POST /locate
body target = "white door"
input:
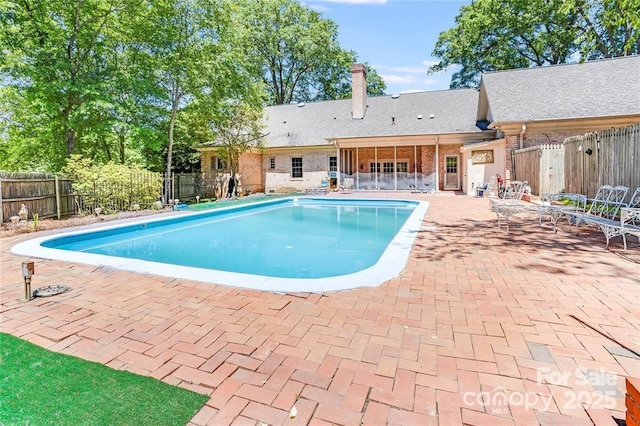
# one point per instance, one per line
(451, 172)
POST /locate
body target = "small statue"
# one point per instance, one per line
(23, 213)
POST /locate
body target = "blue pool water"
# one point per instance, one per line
(302, 239)
(290, 239)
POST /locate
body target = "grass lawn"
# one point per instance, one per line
(40, 387)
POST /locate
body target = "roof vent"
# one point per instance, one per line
(301, 104)
(395, 96)
(419, 116)
(432, 116)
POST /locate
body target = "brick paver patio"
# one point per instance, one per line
(482, 327)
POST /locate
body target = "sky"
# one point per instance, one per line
(396, 37)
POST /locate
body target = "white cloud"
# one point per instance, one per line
(355, 1)
(317, 7)
(403, 70)
(412, 91)
(429, 63)
(398, 79)
(431, 81)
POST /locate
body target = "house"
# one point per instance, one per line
(544, 105)
(439, 140)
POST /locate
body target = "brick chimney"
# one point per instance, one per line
(358, 91)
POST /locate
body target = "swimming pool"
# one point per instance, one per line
(289, 245)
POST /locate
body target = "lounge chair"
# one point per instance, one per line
(319, 190)
(346, 184)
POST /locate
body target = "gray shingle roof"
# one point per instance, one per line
(609, 87)
(454, 111)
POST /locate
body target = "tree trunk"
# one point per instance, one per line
(71, 139)
(69, 133)
(121, 144)
(172, 122)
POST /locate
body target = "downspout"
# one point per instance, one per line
(524, 129)
(513, 155)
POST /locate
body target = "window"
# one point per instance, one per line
(296, 167)
(374, 167)
(333, 164)
(387, 167)
(218, 163)
(272, 163)
(402, 167)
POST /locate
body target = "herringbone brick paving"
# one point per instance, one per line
(482, 327)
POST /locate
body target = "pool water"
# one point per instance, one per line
(288, 239)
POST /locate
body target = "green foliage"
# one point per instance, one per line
(35, 221)
(111, 186)
(144, 81)
(607, 28)
(295, 51)
(492, 35)
(41, 387)
(504, 34)
(238, 131)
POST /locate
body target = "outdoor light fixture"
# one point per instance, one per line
(27, 272)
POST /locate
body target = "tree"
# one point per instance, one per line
(295, 51)
(54, 63)
(492, 35)
(197, 61)
(335, 82)
(503, 34)
(238, 130)
(607, 28)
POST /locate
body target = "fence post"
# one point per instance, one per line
(58, 203)
(1, 208)
(173, 185)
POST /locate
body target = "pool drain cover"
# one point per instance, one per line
(50, 290)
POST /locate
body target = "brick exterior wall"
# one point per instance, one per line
(358, 91)
(535, 139)
(251, 170)
(366, 156)
(632, 401)
(512, 144)
(315, 168)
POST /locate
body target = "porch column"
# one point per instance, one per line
(395, 167)
(339, 167)
(437, 164)
(415, 167)
(357, 169)
(375, 156)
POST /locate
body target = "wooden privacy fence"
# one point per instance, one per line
(542, 166)
(43, 194)
(607, 157)
(55, 196)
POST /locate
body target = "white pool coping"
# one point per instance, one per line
(390, 265)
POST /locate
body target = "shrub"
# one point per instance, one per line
(112, 187)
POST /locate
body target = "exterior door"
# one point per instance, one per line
(451, 172)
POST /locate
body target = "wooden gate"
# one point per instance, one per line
(542, 166)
